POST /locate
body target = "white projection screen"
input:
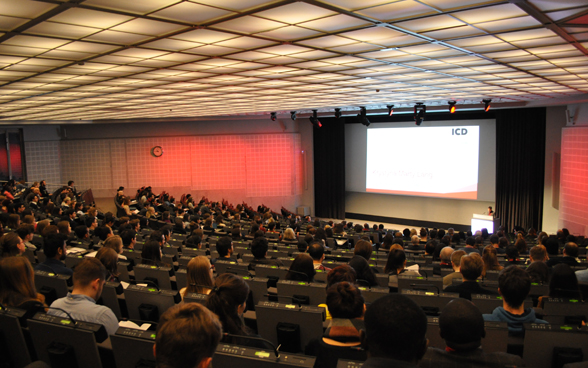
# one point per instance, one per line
(445, 159)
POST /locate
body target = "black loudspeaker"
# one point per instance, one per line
(562, 356)
(149, 312)
(62, 355)
(289, 337)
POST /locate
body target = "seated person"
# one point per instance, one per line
(55, 251)
(259, 247)
(26, 232)
(415, 244)
(512, 255)
(301, 269)
(129, 238)
(365, 274)
(199, 277)
(82, 234)
(395, 329)
(471, 246)
(224, 247)
(563, 284)
(471, 267)
(190, 329)
(317, 252)
(396, 265)
(461, 325)
(514, 285)
(11, 245)
(88, 281)
(17, 286)
(538, 269)
(570, 253)
(341, 340)
(228, 300)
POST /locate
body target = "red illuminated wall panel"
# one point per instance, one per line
(574, 180)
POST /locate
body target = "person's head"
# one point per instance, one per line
(456, 259)
(199, 275)
(445, 254)
(191, 329)
(194, 241)
(316, 251)
(396, 261)
(54, 246)
(344, 300)
(129, 238)
(224, 246)
(17, 281)
(490, 258)
(552, 246)
(512, 252)
(227, 299)
(471, 241)
(89, 277)
(41, 225)
(91, 222)
(64, 227)
(301, 269)
(571, 250)
(395, 327)
(563, 282)
(259, 247)
(363, 248)
(514, 285)
(538, 254)
(341, 273)
(521, 245)
(114, 242)
(414, 240)
(103, 232)
(471, 266)
(461, 325)
(13, 221)
(82, 232)
(494, 240)
(109, 258)
(25, 232)
(289, 234)
(151, 252)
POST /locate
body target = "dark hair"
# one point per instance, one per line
(259, 247)
(190, 329)
(552, 246)
(563, 282)
(24, 230)
(471, 266)
(341, 273)
(88, 270)
(514, 284)
(512, 252)
(521, 246)
(302, 245)
(151, 252)
(344, 300)
(395, 328)
(461, 325)
(52, 243)
(494, 239)
(316, 250)
(109, 259)
(396, 259)
(363, 248)
(229, 292)
(302, 264)
(81, 231)
(571, 249)
(223, 245)
(127, 237)
(471, 241)
(193, 241)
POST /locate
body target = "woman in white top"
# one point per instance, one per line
(199, 276)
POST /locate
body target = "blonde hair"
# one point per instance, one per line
(115, 242)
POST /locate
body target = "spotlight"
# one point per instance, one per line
(390, 109)
(451, 106)
(337, 113)
(363, 116)
(419, 113)
(273, 116)
(314, 120)
(486, 102)
(293, 115)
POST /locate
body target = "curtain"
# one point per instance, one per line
(329, 168)
(520, 167)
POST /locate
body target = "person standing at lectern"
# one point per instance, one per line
(490, 212)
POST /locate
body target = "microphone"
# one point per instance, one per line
(369, 284)
(416, 286)
(136, 282)
(292, 299)
(426, 275)
(61, 310)
(276, 350)
(300, 273)
(238, 270)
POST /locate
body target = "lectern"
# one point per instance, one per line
(480, 222)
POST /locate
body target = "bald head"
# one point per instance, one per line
(446, 254)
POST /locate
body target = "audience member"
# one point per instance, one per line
(11, 245)
(471, 267)
(17, 286)
(199, 277)
(455, 264)
(109, 258)
(538, 269)
(88, 281)
(224, 247)
(490, 259)
(301, 269)
(259, 247)
(55, 251)
(570, 252)
(317, 252)
(187, 336)
(461, 325)
(514, 285)
(395, 328)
